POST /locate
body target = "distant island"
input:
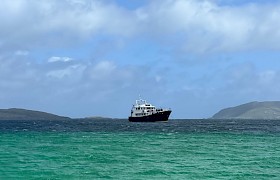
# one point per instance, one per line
(252, 110)
(23, 114)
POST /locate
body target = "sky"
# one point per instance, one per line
(83, 58)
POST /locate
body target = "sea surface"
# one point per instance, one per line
(118, 149)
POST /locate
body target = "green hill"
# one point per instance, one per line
(23, 114)
(252, 110)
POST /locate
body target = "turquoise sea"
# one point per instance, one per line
(117, 149)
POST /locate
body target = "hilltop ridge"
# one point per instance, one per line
(252, 110)
(23, 114)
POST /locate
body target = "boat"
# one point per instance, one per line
(145, 112)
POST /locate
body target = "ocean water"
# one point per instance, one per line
(118, 149)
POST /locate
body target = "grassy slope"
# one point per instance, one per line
(23, 114)
(253, 110)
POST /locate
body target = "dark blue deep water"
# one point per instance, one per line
(122, 125)
(118, 149)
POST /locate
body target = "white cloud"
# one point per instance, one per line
(59, 59)
(200, 26)
(103, 69)
(60, 23)
(205, 26)
(70, 72)
(22, 53)
(245, 81)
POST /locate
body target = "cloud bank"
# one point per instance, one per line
(201, 25)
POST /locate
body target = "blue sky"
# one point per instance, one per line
(82, 58)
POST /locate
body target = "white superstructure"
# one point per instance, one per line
(142, 108)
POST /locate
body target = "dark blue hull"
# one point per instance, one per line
(159, 116)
